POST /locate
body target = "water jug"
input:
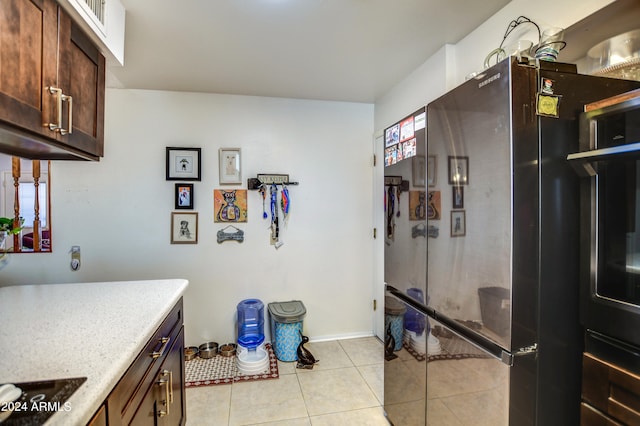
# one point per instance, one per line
(414, 320)
(250, 323)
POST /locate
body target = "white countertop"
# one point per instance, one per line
(92, 330)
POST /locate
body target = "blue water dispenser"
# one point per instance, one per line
(250, 323)
(414, 320)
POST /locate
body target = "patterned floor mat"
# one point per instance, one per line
(452, 348)
(223, 370)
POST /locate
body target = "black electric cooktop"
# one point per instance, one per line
(40, 400)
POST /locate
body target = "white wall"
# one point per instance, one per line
(449, 66)
(425, 83)
(119, 209)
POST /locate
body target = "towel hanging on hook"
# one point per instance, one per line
(285, 201)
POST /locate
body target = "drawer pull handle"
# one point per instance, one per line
(157, 354)
(161, 382)
(170, 373)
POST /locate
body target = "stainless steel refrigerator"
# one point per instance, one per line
(493, 336)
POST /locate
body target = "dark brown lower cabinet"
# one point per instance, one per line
(100, 418)
(163, 404)
(151, 392)
(610, 394)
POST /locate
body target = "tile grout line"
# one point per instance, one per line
(304, 399)
(380, 403)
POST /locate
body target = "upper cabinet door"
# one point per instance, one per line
(52, 83)
(28, 50)
(81, 73)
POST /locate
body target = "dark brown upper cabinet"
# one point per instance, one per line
(52, 83)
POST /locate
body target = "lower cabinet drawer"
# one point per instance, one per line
(135, 383)
(164, 402)
(589, 416)
(613, 392)
(99, 418)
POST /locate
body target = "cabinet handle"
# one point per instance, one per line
(160, 352)
(167, 400)
(69, 129)
(57, 92)
(60, 97)
(170, 374)
(165, 383)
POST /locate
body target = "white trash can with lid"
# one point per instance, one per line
(286, 328)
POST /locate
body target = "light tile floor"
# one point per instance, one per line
(344, 388)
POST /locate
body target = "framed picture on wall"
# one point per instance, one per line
(230, 170)
(419, 171)
(184, 196)
(458, 223)
(184, 228)
(433, 205)
(432, 170)
(183, 163)
(417, 205)
(457, 195)
(458, 170)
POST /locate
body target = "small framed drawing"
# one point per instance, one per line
(230, 166)
(184, 228)
(457, 195)
(183, 163)
(458, 170)
(432, 170)
(458, 223)
(419, 171)
(184, 196)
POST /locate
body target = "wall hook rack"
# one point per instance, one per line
(397, 181)
(268, 179)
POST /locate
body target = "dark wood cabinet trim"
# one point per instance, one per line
(131, 398)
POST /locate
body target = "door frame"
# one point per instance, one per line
(378, 285)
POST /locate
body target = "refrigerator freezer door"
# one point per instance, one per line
(465, 385)
(439, 377)
(405, 372)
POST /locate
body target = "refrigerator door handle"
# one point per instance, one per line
(467, 334)
(507, 357)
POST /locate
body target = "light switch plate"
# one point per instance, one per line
(75, 258)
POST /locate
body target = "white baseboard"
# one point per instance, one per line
(341, 336)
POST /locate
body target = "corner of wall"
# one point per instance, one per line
(427, 82)
(451, 66)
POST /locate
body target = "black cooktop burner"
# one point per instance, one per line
(40, 400)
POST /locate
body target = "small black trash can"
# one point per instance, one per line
(495, 308)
